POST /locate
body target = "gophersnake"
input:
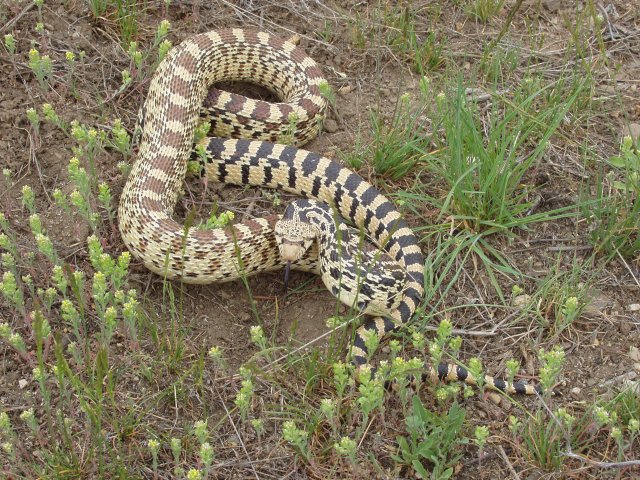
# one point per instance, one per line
(168, 121)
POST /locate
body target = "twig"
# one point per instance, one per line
(462, 331)
(503, 454)
(34, 159)
(11, 22)
(628, 267)
(244, 448)
(595, 463)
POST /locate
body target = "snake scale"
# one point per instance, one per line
(169, 118)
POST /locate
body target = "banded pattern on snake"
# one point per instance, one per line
(169, 119)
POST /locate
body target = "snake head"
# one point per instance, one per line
(294, 232)
(294, 239)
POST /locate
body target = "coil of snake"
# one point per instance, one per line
(241, 152)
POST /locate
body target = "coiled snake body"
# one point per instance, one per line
(169, 119)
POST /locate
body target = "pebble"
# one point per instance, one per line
(634, 354)
(552, 5)
(597, 303)
(22, 383)
(633, 130)
(576, 390)
(624, 327)
(330, 125)
(634, 307)
(521, 300)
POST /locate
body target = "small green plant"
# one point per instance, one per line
(70, 58)
(347, 448)
(135, 55)
(615, 217)
(371, 392)
(424, 54)
(245, 395)
(201, 430)
(327, 92)
(296, 437)
(629, 162)
(97, 7)
(562, 296)
(34, 120)
(552, 362)
(120, 139)
(41, 66)
(52, 117)
(399, 143)
(220, 220)
(484, 10)
(10, 44)
(154, 447)
(432, 438)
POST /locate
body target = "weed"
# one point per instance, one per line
(98, 7)
(397, 27)
(397, 145)
(424, 54)
(484, 10)
(615, 217)
(485, 177)
(561, 297)
(42, 68)
(10, 44)
(297, 437)
(432, 438)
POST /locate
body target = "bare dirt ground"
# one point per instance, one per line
(599, 345)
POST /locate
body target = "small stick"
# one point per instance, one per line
(503, 454)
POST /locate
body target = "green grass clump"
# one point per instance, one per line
(397, 143)
(615, 216)
(485, 163)
(484, 10)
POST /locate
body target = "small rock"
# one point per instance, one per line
(330, 125)
(576, 390)
(22, 383)
(552, 5)
(495, 398)
(634, 354)
(634, 307)
(624, 327)
(597, 303)
(636, 366)
(521, 300)
(633, 130)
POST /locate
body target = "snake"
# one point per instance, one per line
(243, 149)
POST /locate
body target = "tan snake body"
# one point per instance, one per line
(170, 114)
